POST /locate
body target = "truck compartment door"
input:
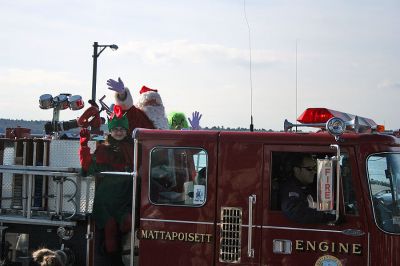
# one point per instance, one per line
(239, 202)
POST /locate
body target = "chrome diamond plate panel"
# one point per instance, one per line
(9, 153)
(64, 153)
(6, 190)
(8, 178)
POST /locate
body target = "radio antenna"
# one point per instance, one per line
(296, 86)
(250, 72)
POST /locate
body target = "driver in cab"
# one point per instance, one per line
(298, 193)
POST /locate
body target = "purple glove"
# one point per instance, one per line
(195, 121)
(117, 86)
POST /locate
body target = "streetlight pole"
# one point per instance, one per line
(96, 54)
(94, 78)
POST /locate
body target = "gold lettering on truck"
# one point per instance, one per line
(343, 248)
(310, 245)
(176, 236)
(299, 245)
(356, 248)
(325, 246)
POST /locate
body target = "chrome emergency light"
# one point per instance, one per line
(76, 102)
(46, 101)
(58, 103)
(335, 126)
(61, 102)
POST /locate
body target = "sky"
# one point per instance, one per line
(204, 56)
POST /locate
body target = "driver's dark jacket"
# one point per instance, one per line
(294, 203)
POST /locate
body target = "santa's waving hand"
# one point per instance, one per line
(117, 86)
(123, 96)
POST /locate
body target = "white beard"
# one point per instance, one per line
(157, 115)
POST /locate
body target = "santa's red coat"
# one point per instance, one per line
(138, 119)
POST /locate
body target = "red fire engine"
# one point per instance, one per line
(213, 197)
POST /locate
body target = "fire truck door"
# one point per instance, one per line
(239, 202)
(297, 240)
(177, 205)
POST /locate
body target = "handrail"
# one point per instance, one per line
(250, 249)
(134, 175)
(335, 146)
(34, 172)
(40, 168)
(27, 173)
(36, 221)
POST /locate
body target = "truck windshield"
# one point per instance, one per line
(384, 180)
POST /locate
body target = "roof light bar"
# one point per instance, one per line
(321, 118)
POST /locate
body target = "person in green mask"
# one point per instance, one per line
(178, 121)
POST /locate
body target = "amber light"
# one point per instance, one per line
(380, 128)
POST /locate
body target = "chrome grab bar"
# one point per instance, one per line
(250, 249)
(335, 146)
(30, 182)
(25, 190)
(60, 197)
(134, 176)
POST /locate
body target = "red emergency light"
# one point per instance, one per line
(322, 115)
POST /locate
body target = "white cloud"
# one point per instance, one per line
(174, 52)
(27, 77)
(387, 84)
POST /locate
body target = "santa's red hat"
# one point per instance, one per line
(146, 89)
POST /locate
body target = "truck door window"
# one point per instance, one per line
(282, 169)
(384, 180)
(178, 176)
(283, 164)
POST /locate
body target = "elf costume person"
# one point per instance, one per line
(148, 112)
(112, 202)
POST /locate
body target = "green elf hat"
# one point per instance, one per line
(118, 119)
(177, 120)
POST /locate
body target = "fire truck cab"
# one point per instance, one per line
(214, 197)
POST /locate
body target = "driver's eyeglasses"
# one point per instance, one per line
(309, 168)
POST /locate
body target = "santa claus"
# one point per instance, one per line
(150, 102)
(149, 111)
